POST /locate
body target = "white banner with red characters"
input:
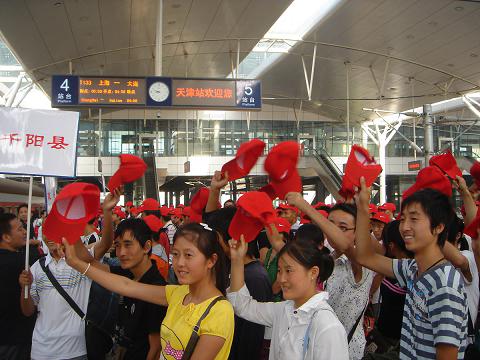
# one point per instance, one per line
(38, 142)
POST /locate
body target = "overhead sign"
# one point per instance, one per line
(156, 92)
(414, 165)
(38, 142)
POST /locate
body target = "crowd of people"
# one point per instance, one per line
(245, 280)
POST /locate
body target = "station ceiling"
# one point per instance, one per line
(432, 44)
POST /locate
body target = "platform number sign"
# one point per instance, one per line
(249, 94)
(64, 90)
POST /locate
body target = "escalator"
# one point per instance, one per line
(151, 184)
(150, 177)
(326, 169)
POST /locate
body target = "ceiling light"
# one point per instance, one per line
(171, 22)
(473, 55)
(392, 88)
(290, 28)
(458, 8)
(57, 3)
(450, 65)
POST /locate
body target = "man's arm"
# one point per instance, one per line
(106, 242)
(467, 198)
(447, 352)
(336, 238)
(27, 305)
(365, 253)
(454, 255)
(155, 346)
(219, 180)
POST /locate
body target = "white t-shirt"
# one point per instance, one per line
(86, 238)
(326, 336)
(471, 288)
(59, 332)
(349, 299)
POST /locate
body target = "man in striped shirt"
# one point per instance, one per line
(435, 314)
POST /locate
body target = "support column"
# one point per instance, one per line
(383, 162)
(428, 126)
(159, 40)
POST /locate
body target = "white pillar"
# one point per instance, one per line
(383, 176)
(159, 40)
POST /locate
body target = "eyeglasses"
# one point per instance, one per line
(345, 229)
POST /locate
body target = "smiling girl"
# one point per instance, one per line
(199, 263)
(304, 326)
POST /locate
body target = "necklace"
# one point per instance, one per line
(435, 263)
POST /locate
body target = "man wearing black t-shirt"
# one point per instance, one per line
(137, 331)
(15, 329)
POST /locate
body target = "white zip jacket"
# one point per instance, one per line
(326, 339)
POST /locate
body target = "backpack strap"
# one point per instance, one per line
(355, 326)
(61, 290)
(192, 342)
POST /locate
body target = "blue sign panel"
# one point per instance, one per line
(156, 92)
(64, 90)
(249, 94)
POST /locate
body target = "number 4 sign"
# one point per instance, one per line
(64, 90)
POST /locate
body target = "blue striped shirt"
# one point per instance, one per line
(435, 309)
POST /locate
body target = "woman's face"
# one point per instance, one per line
(189, 263)
(296, 281)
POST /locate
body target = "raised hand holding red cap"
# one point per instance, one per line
(219, 180)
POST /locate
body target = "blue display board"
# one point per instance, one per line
(156, 92)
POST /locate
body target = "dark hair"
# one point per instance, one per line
(208, 243)
(310, 232)
(456, 226)
(21, 206)
(436, 206)
(92, 221)
(348, 208)
(219, 220)
(309, 256)
(140, 230)
(391, 234)
(5, 226)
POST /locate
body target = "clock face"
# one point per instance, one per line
(158, 91)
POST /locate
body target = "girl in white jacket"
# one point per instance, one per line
(304, 326)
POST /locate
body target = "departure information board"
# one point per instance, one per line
(111, 91)
(155, 92)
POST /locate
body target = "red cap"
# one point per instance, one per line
(359, 164)
(153, 222)
(246, 157)
(164, 211)
(282, 225)
(150, 204)
(475, 172)
(323, 213)
(284, 206)
(72, 209)
(129, 203)
(199, 200)
(254, 212)
(430, 177)
(382, 217)
(119, 213)
(175, 212)
(388, 207)
(269, 190)
(131, 168)
(281, 166)
(447, 163)
(134, 211)
(319, 205)
(372, 208)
